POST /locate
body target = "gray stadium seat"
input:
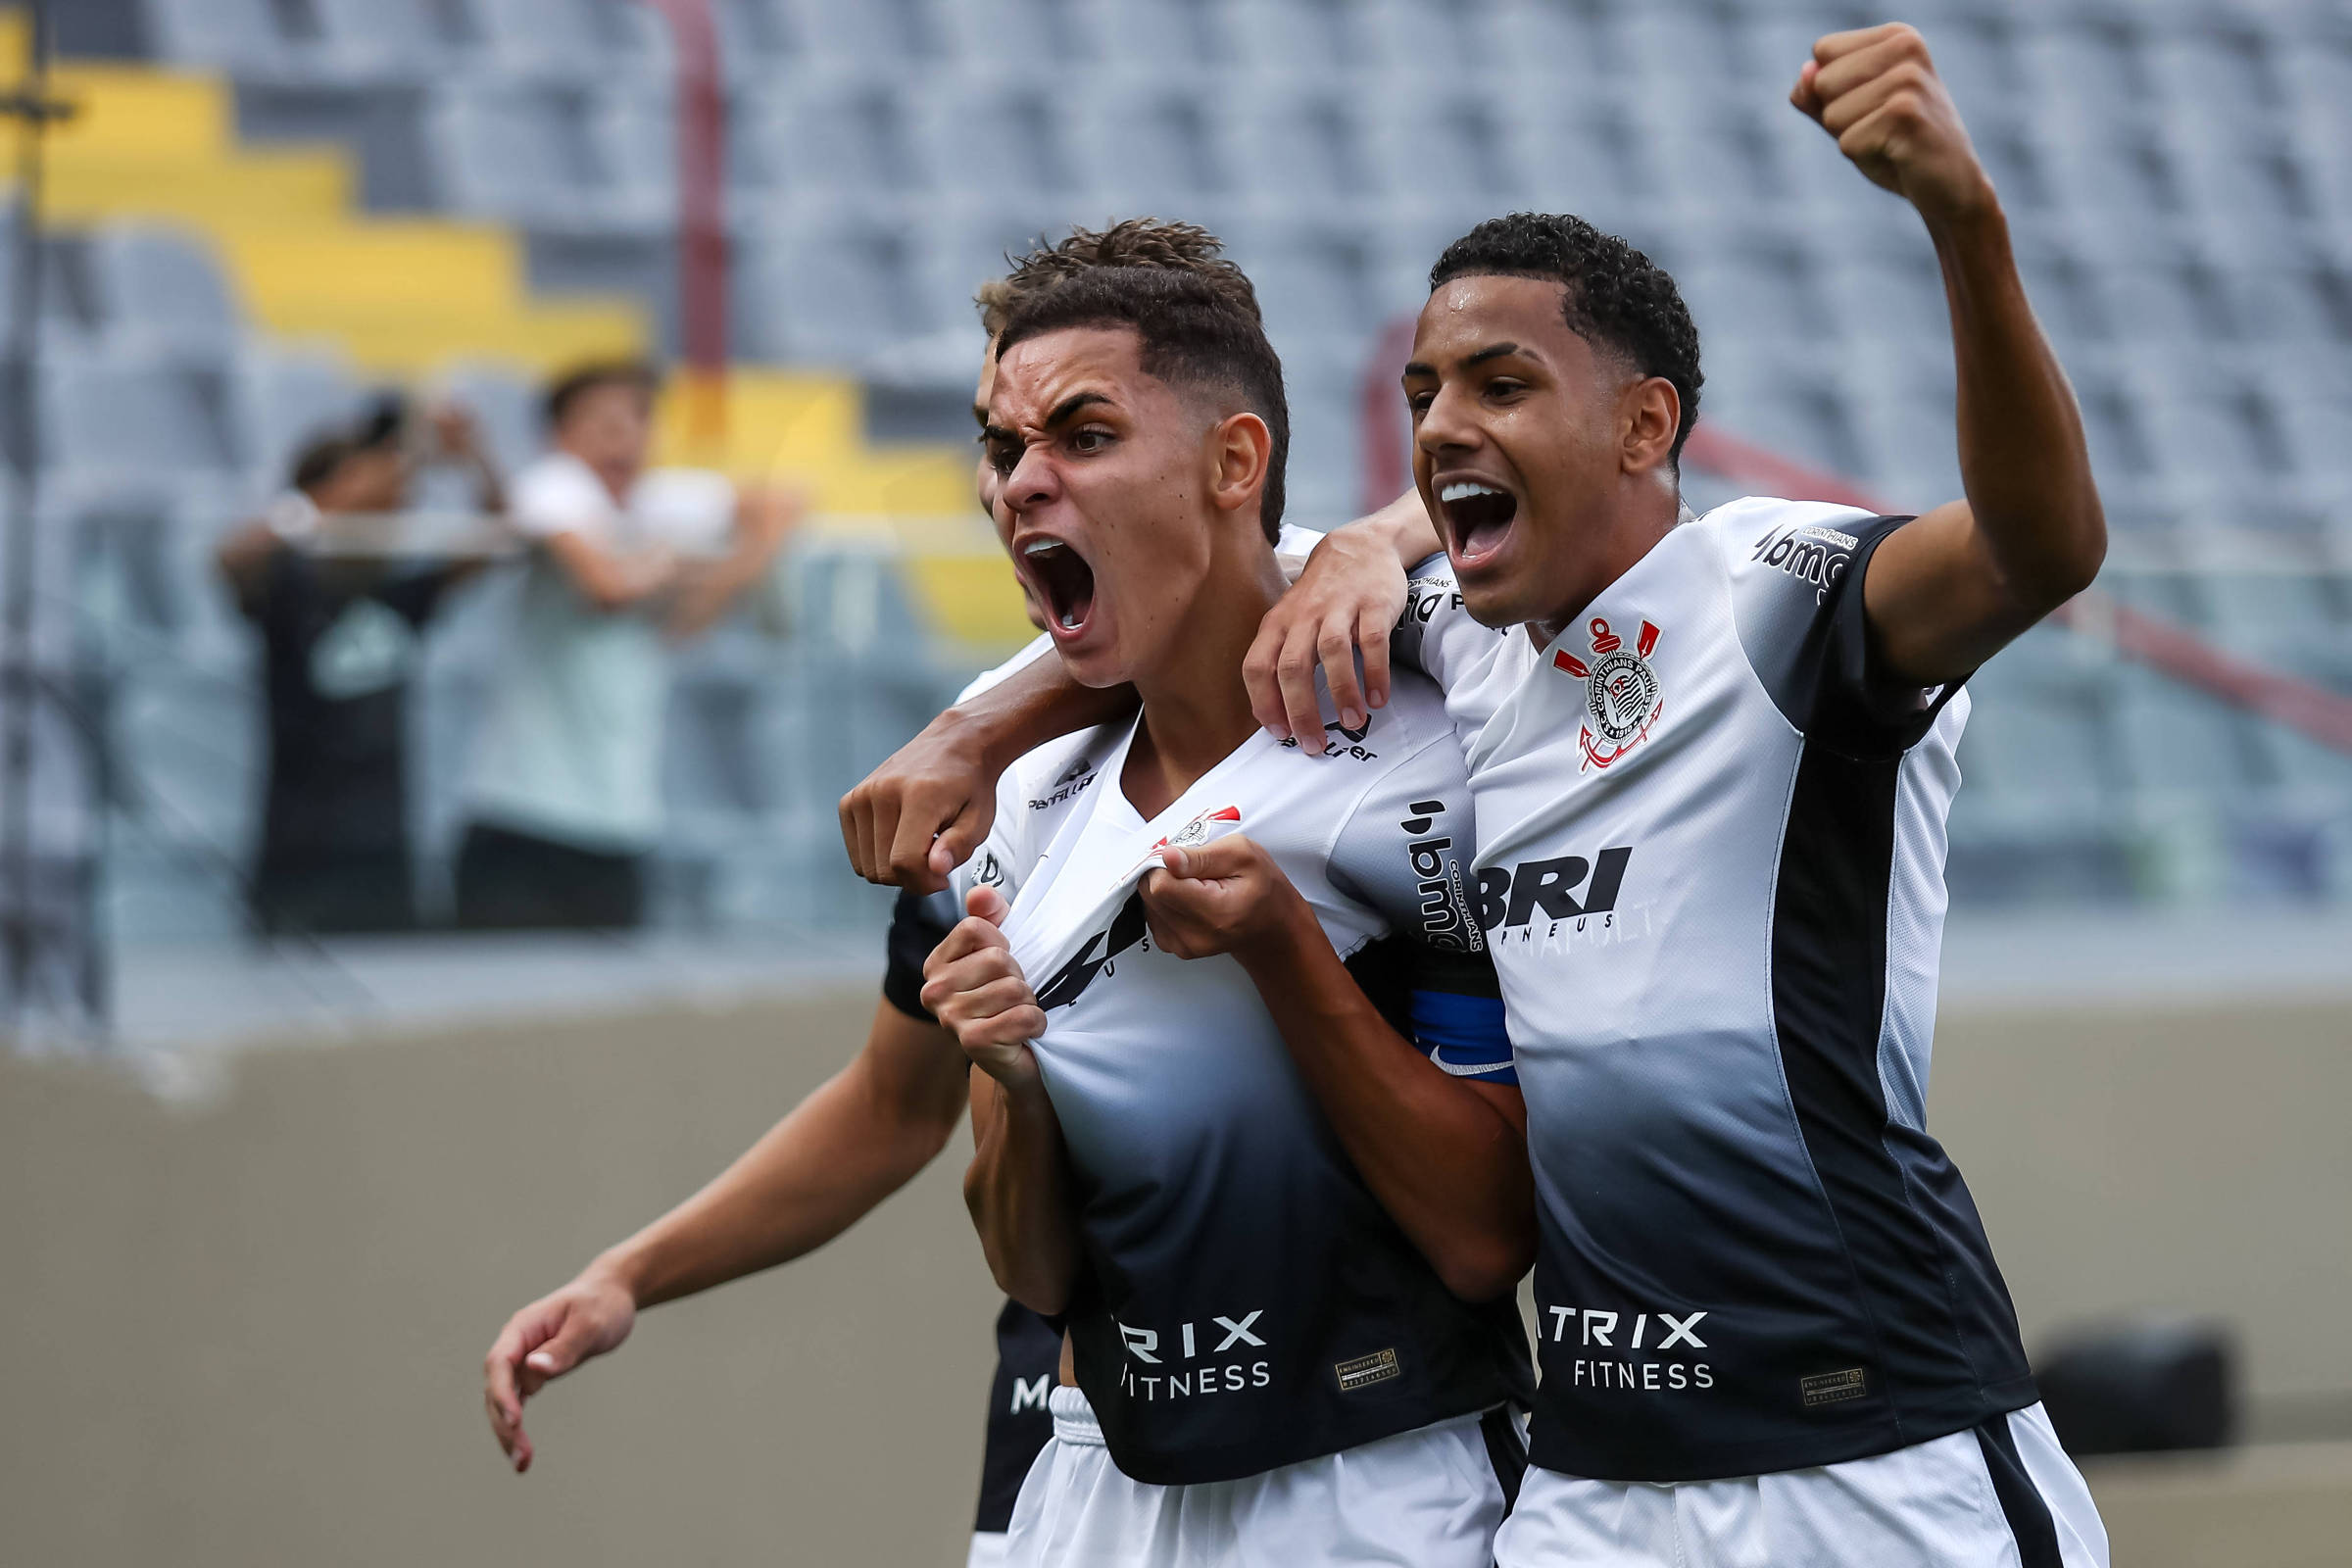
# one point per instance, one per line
(160, 290)
(1178, 35)
(240, 35)
(846, 134)
(833, 291)
(1153, 148)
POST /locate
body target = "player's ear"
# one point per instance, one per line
(1647, 418)
(1241, 451)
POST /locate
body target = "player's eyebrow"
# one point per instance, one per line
(1069, 407)
(1492, 351)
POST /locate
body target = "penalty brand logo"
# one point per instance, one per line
(1621, 692)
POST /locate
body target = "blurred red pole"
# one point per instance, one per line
(1387, 464)
(701, 219)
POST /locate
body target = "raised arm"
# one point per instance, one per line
(1018, 1187)
(708, 590)
(860, 1137)
(1945, 593)
(1446, 1155)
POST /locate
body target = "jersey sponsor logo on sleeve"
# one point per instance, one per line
(1446, 923)
(1620, 691)
(1810, 554)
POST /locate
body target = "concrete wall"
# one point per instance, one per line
(251, 1331)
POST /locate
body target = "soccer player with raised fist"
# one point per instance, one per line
(1712, 759)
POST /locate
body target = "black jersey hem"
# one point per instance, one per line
(1224, 1462)
(1798, 1450)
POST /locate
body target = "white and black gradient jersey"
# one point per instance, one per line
(1711, 847)
(1244, 1301)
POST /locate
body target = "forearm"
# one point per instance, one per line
(2024, 465)
(1034, 705)
(1446, 1162)
(1019, 1192)
(1403, 527)
(860, 1137)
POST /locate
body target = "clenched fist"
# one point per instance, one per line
(1225, 897)
(975, 989)
(1876, 90)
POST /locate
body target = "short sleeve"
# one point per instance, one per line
(918, 923)
(559, 494)
(1797, 573)
(1407, 852)
(1436, 634)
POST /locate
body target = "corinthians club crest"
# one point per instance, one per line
(1621, 692)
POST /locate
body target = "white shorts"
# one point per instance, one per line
(1959, 1501)
(988, 1549)
(1427, 1498)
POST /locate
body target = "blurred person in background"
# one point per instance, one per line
(564, 797)
(339, 613)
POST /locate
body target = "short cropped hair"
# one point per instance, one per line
(1196, 336)
(1617, 297)
(1130, 242)
(575, 383)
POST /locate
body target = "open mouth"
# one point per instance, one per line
(1476, 516)
(1065, 583)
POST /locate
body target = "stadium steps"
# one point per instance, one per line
(407, 297)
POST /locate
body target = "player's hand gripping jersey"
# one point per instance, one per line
(1244, 1301)
(1711, 843)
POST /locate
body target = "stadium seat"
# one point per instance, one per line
(159, 290)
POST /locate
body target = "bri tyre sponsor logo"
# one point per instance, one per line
(1512, 897)
(1614, 1350)
(1446, 923)
(1192, 1361)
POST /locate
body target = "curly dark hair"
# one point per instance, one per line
(1617, 297)
(1130, 242)
(1196, 335)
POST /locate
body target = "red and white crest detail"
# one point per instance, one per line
(1620, 691)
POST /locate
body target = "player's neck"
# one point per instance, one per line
(1195, 706)
(1643, 519)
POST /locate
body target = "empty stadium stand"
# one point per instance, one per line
(273, 200)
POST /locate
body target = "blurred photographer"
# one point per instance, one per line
(339, 599)
(564, 799)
